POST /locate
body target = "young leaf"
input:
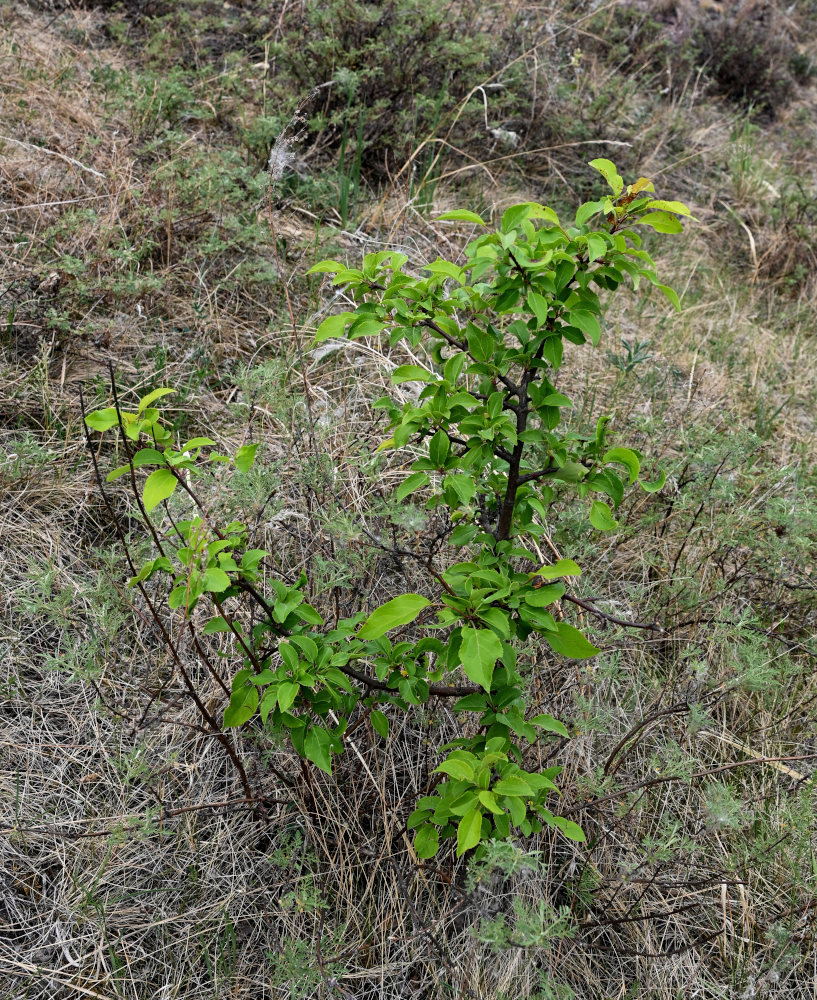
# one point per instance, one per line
(609, 172)
(468, 831)
(316, 748)
(460, 215)
(245, 456)
(570, 642)
(414, 482)
(549, 724)
(480, 650)
(145, 401)
(672, 206)
(102, 420)
(326, 267)
(661, 222)
(459, 769)
(215, 580)
(625, 457)
(570, 829)
(159, 485)
(513, 785)
(654, 486)
(412, 373)
(287, 693)
(332, 326)
(564, 567)
(399, 611)
(426, 841)
(601, 517)
(380, 723)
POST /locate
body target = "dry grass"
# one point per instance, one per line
(130, 867)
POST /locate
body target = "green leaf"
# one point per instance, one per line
(426, 841)
(601, 517)
(625, 457)
(459, 215)
(414, 482)
(412, 373)
(587, 211)
(463, 486)
(399, 611)
(555, 399)
(215, 580)
(513, 785)
(241, 708)
(215, 625)
(488, 799)
(326, 267)
(365, 326)
(159, 485)
(245, 456)
(308, 614)
(609, 172)
(549, 724)
(102, 420)
(438, 449)
(148, 456)
(463, 534)
(564, 567)
(672, 206)
(332, 326)
(380, 724)
(570, 642)
(516, 807)
(317, 748)
(515, 216)
(480, 650)
(654, 486)
(459, 769)
(469, 831)
(570, 829)
(144, 573)
(445, 267)
(661, 222)
(471, 703)
(538, 305)
(587, 323)
(596, 247)
(670, 293)
(145, 401)
(287, 693)
(542, 597)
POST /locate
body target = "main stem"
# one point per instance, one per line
(505, 522)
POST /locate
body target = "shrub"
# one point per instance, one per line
(491, 459)
(746, 54)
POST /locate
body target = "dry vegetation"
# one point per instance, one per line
(136, 232)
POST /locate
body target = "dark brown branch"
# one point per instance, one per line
(588, 605)
(438, 690)
(169, 644)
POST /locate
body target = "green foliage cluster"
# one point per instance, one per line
(492, 458)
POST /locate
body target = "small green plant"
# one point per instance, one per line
(490, 459)
(636, 352)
